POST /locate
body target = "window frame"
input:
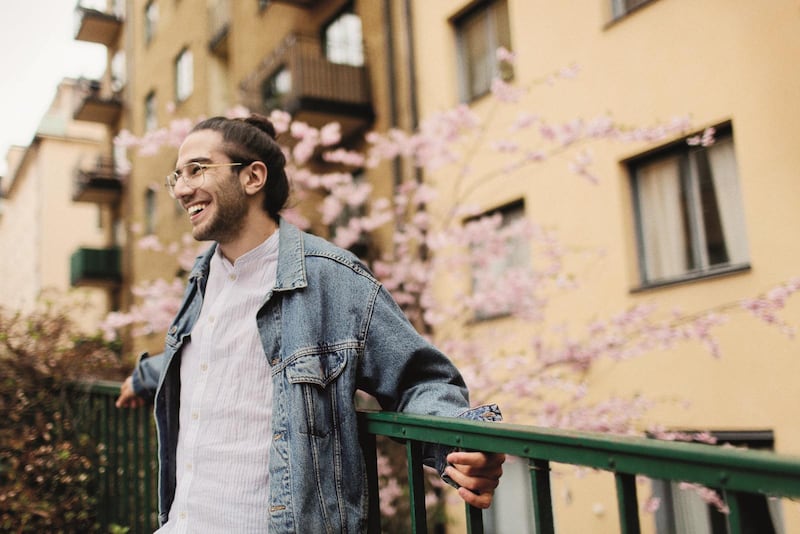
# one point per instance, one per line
(150, 20)
(695, 227)
(184, 75)
(150, 112)
(623, 8)
(465, 63)
(509, 212)
(351, 57)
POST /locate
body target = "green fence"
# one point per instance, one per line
(128, 479)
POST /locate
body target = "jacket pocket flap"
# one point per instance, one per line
(320, 369)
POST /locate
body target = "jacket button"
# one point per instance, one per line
(173, 329)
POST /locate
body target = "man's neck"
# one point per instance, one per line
(255, 231)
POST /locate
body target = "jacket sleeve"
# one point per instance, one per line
(406, 373)
(146, 375)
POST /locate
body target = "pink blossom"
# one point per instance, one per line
(281, 120)
(708, 495)
(504, 55)
(330, 134)
(505, 92)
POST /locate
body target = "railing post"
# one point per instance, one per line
(542, 498)
(416, 486)
(627, 503)
(369, 447)
(734, 516)
(474, 520)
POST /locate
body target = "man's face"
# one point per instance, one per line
(217, 207)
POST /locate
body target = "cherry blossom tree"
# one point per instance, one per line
(455, 246)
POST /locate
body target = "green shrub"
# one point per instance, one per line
(47, 471)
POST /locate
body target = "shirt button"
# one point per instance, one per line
(188, 467)
(204, 367)
(195, 415)
(182, 515)
(211, 319)
(232, 277)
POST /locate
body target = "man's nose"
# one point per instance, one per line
(181, 189)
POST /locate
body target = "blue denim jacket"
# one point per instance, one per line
(328, 328)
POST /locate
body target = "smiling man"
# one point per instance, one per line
(254, 393)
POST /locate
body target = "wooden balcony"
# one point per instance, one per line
(99, 183)
(314, 90)
(96, 26)
(97, 105)
(96, 267)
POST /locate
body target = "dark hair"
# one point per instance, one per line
(250, 139)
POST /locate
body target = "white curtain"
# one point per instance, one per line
(729, 199)
(662, 224)
(691, 512)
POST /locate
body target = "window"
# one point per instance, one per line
(184, 75)
(480, 32)
(507, 253)
(275, 88)
(689, 214)
(150, 204)
(623, 7)
(150, 119)
(150, 20)
(682, 510)
(343, 41)
(119, 74)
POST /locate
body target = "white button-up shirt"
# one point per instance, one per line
(226, 404)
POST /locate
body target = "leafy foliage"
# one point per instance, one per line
(47, 466)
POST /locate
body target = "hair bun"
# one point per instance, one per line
(262, 123)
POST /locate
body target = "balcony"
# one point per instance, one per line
(99, 183)
(95, 267)
(297, 77)
(97, 105)
(96, 26)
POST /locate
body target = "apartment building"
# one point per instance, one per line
(667, 223)
(53, 223)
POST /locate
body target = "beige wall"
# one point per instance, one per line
(714, 61)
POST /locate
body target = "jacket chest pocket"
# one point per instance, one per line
(317, 391)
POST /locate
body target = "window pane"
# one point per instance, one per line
(184, 76)
(344, 42)
(689, 211)
(480, 34)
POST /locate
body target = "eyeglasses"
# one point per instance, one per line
(193, 175)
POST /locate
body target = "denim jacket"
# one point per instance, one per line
(328, 328)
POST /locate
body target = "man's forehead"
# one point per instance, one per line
(203, 145)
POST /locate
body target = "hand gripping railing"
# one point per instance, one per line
(733, 472)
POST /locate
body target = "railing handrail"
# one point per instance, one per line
(734, 472)
(698, 463)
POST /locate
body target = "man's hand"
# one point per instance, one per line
(478, 474)
(127, 397)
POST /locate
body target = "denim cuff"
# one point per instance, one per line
(486, 412)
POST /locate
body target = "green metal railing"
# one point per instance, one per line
(127, 457)
(128, 478)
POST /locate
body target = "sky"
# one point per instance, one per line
(37, 50)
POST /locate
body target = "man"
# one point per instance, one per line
(254, 393)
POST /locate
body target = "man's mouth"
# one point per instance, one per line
(195, 209)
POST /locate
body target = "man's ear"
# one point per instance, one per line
(254, 177)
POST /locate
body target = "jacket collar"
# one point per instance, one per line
(291, 259)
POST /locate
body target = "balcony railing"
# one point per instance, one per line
(95, 267)
(99, 183)
(313, 89)
(97, 105)
(128, 472)
(96, 26)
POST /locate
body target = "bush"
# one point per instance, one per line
(47, 471)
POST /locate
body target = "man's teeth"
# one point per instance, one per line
(196, 209)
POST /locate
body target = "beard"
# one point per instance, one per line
(226, 224)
